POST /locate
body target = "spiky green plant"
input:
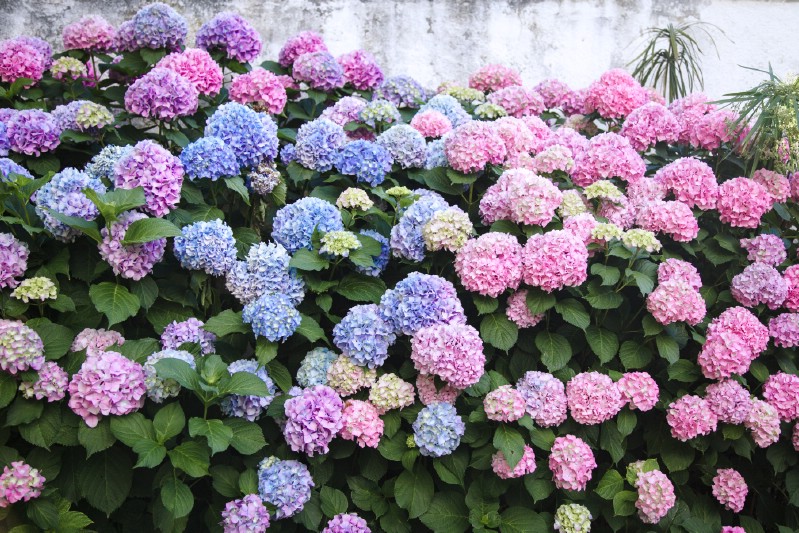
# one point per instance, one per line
(670, 62)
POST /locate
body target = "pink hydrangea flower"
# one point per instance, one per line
(582, 225)
(108, 384)
(781, 391)
(302, 43)
(21, 348)
(197, 66)
(553, 158)
(677, 269)
(319, 70)
(259, 87)
(20, 483)
(639, 390)
(494, 77)
(676, 301)
(759, 283)
(531, 199)
(608, 155)
(161, 94)
(729, 400)
(593, 398)
(313, 418)
(157, 171)
(672, 218)
(96, 341)
(763, 422)
(132, 261)
(494, 203)
(504, 404)
(649, 124)
(730, 489)
(795, 437)
(518, 312)
(19, 59)
(453, 352)
(361, 423)
(563, 136)
(361, 69)
(691, 181)
(619, 211)
(571, 462)
(732, 529)
(490, 264)
(691, 416)
(689, 110)
(777, 185)
(51, 384)
(615, 95)
(555, 93)
(431, 123)
(13, 260)
(554, 260)
(429, 393)
(519, 139)
(645, 190)
(713, 129)
(518, 101)
(791, 277)
(545, 397)
(91, 32)
(473, 145)
(766, 248)
(543, 134)
(655, 496)
(784, 329)
(526, 464)
(734, 339)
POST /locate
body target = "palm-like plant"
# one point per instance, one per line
(670, 60)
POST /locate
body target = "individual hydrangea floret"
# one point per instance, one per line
(504, 404)
(51, 384)
(231, 33)
(390, 392)
(519, 313)
(360, 70)
(573, 518)
(198, 67)
(249, 407)
(638, 390)
(490, 264)
(207, 246)
(438, 429)
(21, 348)
(158, 172)
(545, 397)
(313, 418)
(571, 462)
(347, 523)
(421, 300)
(361, 423)
(161, 94)
(159, 389)
(33, 132)
(655, 496)
(39, 289)
(593, 398)
(294, 224)
(245, 515)
(252, 136)
(363, 336)
(273, 316)
(286, 484)
(691, 416)
(502, 469)
(19, 482)
(453, 352)
(159, 26)
(131, 261)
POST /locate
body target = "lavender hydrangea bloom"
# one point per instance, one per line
(347, 523)
(162, 94)
(265, 270)
(421, 300)
(64, 194)
(320, 70)
(407, 240)
(248, 407)
(13, 260)
(207, 246)
(209, 158)
(65, 114)
(159, 389)
(131, 261)
(313, 369)
(151, 167)
(402, 91)
(438, 429)
(363, 336)
(313, 418)
(380, 261)
(294, 224)
(288, 154)
(406, 145)
(272, 316)
(189, 330)
(449, 107)
(32, 132)
(8, 167)
(21, 348)
(436, 157)
(284, 484)
(245, 515)
(102, 165)
(367, 161)
(159, 26)
(252, 136)
(232, 34)
(5, 144)
(318, 143)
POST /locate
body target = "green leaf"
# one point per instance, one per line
(130, 429)
(23, 411)
(152, 56)
(43, 431)
(248, 481)
(169, 422)
(105, 480)
(191, 457)
(683, 370)
(485, 304)
(539, 489)
(555, 350)
(333, 501)
(114, 301)
(634, 356)
(177, 497)
(8, 389)
(447, 513)
(225, 480)
(62, 304)
(459, 178)
(279, 374)
(651, 326)
(625, 422)
(308, 260)
(573, 312)
(247, 438)
(216, 433)
(179, 370)
(360, 288)
(632, 474)
(225, 323)
(246, 384)
(43, 513)
(146, 290)
(610, 484)
(521, 520)
(310, 329)
(413, 491)
(56, 338)
(610, 275)
(605, 300)
(603, 343)
(611, 440)
(437, 180)
(96, 439)
(265, 350)
(150, 229)
(510, 443)
(151, 453)
(676, 455)
(87, 227)
(139, 349)
(668, 348)
(498, 331)
(624, 503)
(538, 301)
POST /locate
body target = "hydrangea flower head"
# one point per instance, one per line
(207, 246)
(379, 112)
(438, 429)
(573, 518)
(473, 145)
(347, 523)
(765, 248)
(402, 91)
(209, 158)
(252, 136)
(13, 260)
(453, 352)
(490, 264)
(260, 88)
(759, 283)
(406, 146)
(302, 43)
(161, 94)
(742, 202)
(21, 348)
(494, 77)
(198, 67)
(360, 70)
(294, 224)
(232, 34)
(784, 329)
(245, 515)
(20, 483)
(729, 400)
(319, 69)
(314, 366)
(159, 389)
(638, 390)
(19, 59)
(655, 496)
(504, 404)
(68, 68)
(32, 132)
(421, 300)
(545, 397)
(526, 464)
(781, 391)
(273, 316)
(355, 199)
(39, 288)
(64, 194)
(313, 418)
(51, 384)
(369, 162)
(159, 26)
(131, 261)
(318, 143)
(361, 423)
(554, 260)
(650, 124)
(190, 330)
(407, 236)
(447, 229)
(689, 417)
(390, 392)
(734, 339)
(363, 336)
(448, 106)
(431, 123)
(615, 95)
(286, 484)
(92, 33)
(571, 462)
(763, 422)
(151, 167)
(730, 489)
(593, 398)
(608, 155)
(518, 101)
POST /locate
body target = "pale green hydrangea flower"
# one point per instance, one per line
(641, 238)
(40, 288)
(353, 198)
(339, 243)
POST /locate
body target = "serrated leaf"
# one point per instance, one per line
(225, 323)
(538, 301)
(150, 229)
(169, 421)
(610, 484)
(624, 503)
(114, 301)
(498, 331)
(360, 288)
(265, 350)
(510, 443)
(105, 480)
(216, 433)
(521, 520)
(555, 350)
(573, 312)
(447, 512)
(191, 457)
(610, 275)
(308, 260)
(603, 343)
(605, 300)
(333, 501)
(246, 384)
(485, 304)
(248, 437)
(310, 329)
(668, 348)
(413, 491)
(179, 370)
(96, 439)
(177, 497)
(236, 184)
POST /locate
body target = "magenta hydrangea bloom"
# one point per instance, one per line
(19, 59)
(33, 132)
(361, 423)
(361, 70)
(245, 515)
(20, 483)
(729, 400)
(655, 496)
(261, 88)
(526, 464)
(319, 70)
(608, 155)
(784, 329)
(518, 101)
(347, 523)
(712, 129)
(92, 33)
(677, 269)
(730, 489)
(96, 341)
(545, 397)
(556, 94)
(734, 339)
(494, 77)
(13, 260)
(51, 384)
(490, 264)
(131, 261)
(313, 418)
(232, 34)
(571, 462)
(504, 404)
(42, 46)
(691, 416)
(766, 248)
(21, 348)
(473, 145)
(676, 301)
(781, 391)
(157, 171)
(593, 398)
(742, 202)
(161, 94)
(198, 67)
(302, 43)
(189, 330)
(108, 384)
(763, 422)
(615, 95)
(554, 260)
(638, 390)
(650, 124)
(453, 352)
(777, 185)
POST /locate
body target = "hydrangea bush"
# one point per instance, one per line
(308, 294)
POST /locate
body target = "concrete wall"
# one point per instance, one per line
(437, 40)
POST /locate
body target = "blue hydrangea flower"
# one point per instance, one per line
(363, 336)
(284, 484)
(435, 154)
(159, 26)
(210, 158)
(265, 270)
(294, 224)
(102, 165)
(380, 261)
(367, 161)
(252, 136)
(8, 167)
(313, 369)
(406, 145)
(318, 143)
(379, 112)
(207, 246)
(159, 389)
(288, 154)
(406, 237)
(402, 91)
(449, 107)
(272, 316)
(249, 407)
(64, 194)
(5, 144)
(421, 300)
(438, 429)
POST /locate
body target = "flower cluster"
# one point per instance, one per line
(544, 396)
(526, 464)
(294, 224)
(313, 418)
(360, 69)
(593, 398)
(132, 261)
(19, 482)
(245, 515)
(207, 246)
(437, 430)
(571, 462)
(691, 416)
(197, 67)
(421, 300)
(363, 336)
(730, 489)
(232, 34)
(159, 389)
(286, 484)
(361, 423)
(655, 496)
(453, 352)
(390, 392)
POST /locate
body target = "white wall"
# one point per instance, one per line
(437, 40)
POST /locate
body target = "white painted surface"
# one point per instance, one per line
(437, 40)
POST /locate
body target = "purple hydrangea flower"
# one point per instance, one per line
(363, 336)
(421, 300)
(162, 94)
(302, 43)
(189, 330)
(288, 154)
(13, 260)
(8, 167)
(402, 91)
(361, 70)
(347, 523)
(64, 194)
(32, 132)
(51, 384)
(436, 156)
(245, 515)
(232, 34)
(65, 114)
(294, 224)
(252, 136)
(320, 70)
(159, 26)
(318, 143)
(131, 261)
(407, 240)
(313, 418)
(151, 167)
(273, 316)
(5, 144)
(367, 161)
(284, 484)
(406, 145)
(41, 46)
(209, 158)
